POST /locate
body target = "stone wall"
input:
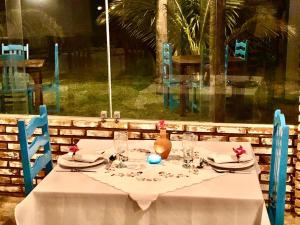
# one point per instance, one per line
(66, 131)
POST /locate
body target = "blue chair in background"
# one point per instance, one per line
(15, 86)
(29, 149)
(240, 52)
(277, 185)
(54, 85)
(241, 49)
(168, 79)
(226, 61)
(16, 49)
(197, 84)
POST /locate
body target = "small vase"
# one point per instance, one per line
(163, 145)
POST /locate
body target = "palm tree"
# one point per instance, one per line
(189, 23)
(161, 34)
(139, 19)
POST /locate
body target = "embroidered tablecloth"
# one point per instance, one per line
(144, 182)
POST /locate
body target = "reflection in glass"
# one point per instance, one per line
(217, 86)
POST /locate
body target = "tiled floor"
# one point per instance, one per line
(7, 205)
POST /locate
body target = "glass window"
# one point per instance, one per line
(200, 60)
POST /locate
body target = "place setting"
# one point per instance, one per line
(74, 161)
(237, 161)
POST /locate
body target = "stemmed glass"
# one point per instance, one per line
(121, 147)
(188, 141)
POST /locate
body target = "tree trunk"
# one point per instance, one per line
(161, 34)
(216, 45)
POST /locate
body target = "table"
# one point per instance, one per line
(76, 199)
(34, 68)
(185, 61)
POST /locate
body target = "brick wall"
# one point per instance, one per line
(66, 131)
(297, 173)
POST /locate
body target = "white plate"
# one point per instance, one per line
(75, 164)
(232, 166)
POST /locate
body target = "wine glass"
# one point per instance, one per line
(188, 149)
(121, 147)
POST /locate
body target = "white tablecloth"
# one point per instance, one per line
(74, 198)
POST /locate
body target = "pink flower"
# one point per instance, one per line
(74, 149)
(162, 124)
(239, 151)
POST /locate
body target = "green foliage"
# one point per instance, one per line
(263, 21)
(189, 21)
(136, 17)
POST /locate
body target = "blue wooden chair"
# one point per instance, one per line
(29, 149)
(168, 79)
(226, 60)
(16, 49)
(15, 82)
(241, 49)
(277, 186)
(54, 85)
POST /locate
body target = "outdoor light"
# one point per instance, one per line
(117, 116)
(103, 116)
(99, 8)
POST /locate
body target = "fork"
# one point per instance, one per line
(231, 171)
(76, 170)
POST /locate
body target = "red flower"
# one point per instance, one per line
(162, 124)
(239, 151)
(74, 149)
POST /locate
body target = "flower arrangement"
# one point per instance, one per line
(74, 149)
(239, 151)
(162, 124)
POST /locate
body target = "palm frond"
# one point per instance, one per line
(266, 24)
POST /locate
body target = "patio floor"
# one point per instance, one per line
(7, 205)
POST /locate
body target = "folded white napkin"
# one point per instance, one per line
(225, 158)
(88, 158)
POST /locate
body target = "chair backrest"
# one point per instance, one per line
(226, 59)
(13, 72)
(277, 186)
(167, 67)
(241, 49)
(16, 49)
(56, 64)
(29, 149)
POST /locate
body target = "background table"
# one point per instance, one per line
(34, 68)
(73, 198)
(184, 62)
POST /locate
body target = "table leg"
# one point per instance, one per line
(37, 78)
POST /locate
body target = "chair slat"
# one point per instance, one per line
(16, 49)
(38, 142)
(241, 49)
(40, 163)
(35, 123)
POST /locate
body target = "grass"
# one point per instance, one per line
(84, 92)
